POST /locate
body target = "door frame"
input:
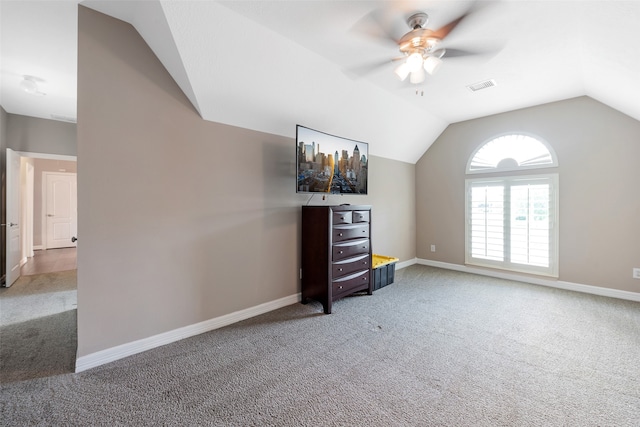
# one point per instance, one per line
(22, 190)
(14, 190)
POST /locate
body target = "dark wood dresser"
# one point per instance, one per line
(336, 252)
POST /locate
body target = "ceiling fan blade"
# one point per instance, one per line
(444, 31)
(457, 53)
(370, 67)
(488, 50)
(380, 25)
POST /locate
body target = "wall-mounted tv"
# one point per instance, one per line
(330, 164)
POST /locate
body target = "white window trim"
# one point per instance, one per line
(552, 270)
(554, 158)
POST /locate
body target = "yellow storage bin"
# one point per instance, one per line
(384, 269)
(380, 260)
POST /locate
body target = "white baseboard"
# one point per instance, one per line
(115, 353)
(404, 264)
(38, 247)
(578, 287)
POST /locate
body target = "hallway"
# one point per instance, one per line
(50, 261)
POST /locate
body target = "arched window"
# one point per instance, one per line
(511, 152)
(512, 220)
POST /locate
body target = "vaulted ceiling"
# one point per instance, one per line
(268, 65)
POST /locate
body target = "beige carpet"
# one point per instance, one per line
(36, 296)
(436, 348)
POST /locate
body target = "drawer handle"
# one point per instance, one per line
(339, 269)
(339, 234)
(341, 217)
(340, 287)
(364, 231)
(342, 252)
(364, 278)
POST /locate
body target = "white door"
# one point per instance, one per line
(60, 209)
(13, 216)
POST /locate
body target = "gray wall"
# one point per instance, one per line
(37, 135)
(392, 195)
(183, 220)
(598, 150)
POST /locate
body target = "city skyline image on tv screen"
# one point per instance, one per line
(330, 164)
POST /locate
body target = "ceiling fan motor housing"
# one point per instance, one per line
(419, 39)
(418, 20)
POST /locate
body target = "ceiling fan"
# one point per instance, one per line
(421, 48)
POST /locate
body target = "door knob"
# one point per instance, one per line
(74, 239)
(50, 215)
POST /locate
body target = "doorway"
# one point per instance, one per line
(56, 197)
(48, 212)
(30, 201)
(43, 300)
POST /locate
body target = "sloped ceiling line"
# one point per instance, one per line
(255, 88)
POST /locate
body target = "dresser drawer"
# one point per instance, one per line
(352, 283)
(342, 268)
(348, 232)
(343, 217)
(360, 216)
(349, 249)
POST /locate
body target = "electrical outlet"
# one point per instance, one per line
(636, 273)
(433, 248)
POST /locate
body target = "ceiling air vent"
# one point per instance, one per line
(482, 85)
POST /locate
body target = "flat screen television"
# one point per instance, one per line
(330, 164)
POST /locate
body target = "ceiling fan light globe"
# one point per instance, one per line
(402, 71)
(432, 42)
(414, 62)
(418, 76)
(432, 64)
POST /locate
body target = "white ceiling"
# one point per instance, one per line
(268, 65)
